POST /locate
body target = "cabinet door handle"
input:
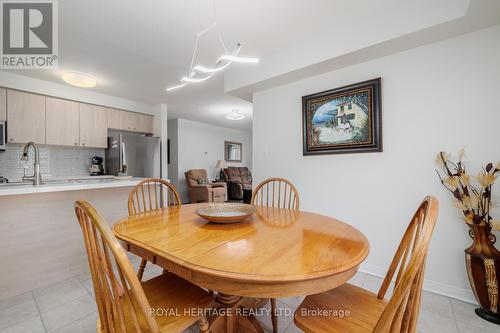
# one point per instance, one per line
(76, 143)
(11, 139)
(83, 144)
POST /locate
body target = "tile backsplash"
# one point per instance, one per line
(54, 161)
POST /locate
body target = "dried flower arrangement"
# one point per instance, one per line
(473, 200)
(482, 259)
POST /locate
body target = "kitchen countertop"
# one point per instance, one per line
(67, 184)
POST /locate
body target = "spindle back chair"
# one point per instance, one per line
(276, 192)
(408, 266)
(371, 312)
(118, 293)
(152, 194)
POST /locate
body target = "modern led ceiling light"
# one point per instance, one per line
(235, 115)
(78, 79)
(199, 73)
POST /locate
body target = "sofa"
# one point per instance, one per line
(237, 179)
(200, 189)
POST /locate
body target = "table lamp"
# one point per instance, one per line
(221, 164)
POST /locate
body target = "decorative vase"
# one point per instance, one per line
(482, 260)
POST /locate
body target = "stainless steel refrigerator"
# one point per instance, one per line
(133, 154)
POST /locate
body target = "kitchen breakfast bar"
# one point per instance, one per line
(40, 239)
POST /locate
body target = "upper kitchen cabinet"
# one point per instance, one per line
(145, 123)
(93, 126)
(62, 122)
(116, 119)
(3, 104)
(122, 120)
(25, 117)
(130, 121)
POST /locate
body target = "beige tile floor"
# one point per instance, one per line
(69, 306)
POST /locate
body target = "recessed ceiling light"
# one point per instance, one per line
(235, 115)
(78, 79)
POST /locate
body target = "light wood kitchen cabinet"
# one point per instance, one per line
(122, 120)
(116, 119)
(93, 126)
(130, 121)
(145, 123)
(3, 104)
(25, 117)
(62, 122)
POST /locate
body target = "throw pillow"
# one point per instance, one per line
(202, 181)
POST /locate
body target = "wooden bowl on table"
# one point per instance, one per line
(225, 212)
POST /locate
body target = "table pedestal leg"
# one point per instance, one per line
(231, 322)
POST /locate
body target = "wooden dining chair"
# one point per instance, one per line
(278, 193)
(370, 312)
(150, 195)
(126, 305)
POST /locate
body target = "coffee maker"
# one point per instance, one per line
(96, 168)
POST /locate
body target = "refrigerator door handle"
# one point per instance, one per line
(123, 166)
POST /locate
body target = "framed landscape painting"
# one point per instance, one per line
(343, 120)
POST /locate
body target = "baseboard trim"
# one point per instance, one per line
(461, 294)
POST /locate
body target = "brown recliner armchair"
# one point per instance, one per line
(200, 189)
(237, 179)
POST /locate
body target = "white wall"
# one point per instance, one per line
(173, 136)
(441, 96)
(199, 146)
(160, 129)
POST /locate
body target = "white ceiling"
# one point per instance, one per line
(137, 48)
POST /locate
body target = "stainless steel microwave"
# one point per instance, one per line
(3, 135)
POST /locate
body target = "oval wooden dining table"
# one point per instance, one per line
(274, 253)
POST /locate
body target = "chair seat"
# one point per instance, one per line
(364, 306)
(166, 292)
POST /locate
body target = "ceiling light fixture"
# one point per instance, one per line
(197, 73)
(210, 69)
(79, 79)
(178, 86)
(238, 59)
(196, 79)
(235, 115)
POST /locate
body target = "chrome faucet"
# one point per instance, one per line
(36, 178)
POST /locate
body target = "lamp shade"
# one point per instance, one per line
(221, 164)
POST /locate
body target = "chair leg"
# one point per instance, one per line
(204, 326)
(140, 272)
(274, 317)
